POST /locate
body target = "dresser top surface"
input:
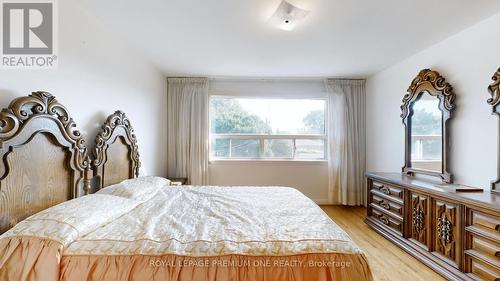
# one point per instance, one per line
(482, 198)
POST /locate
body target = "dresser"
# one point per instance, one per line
(455, 233)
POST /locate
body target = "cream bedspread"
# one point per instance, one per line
(187, 221)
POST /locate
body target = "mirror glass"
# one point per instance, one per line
(426, 134)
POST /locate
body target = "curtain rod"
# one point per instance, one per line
(282, 79)
(270, 79)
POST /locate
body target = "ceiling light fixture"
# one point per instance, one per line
(287, 16)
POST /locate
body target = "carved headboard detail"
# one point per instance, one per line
(116, 152)
(43, 158)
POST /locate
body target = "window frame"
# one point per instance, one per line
(263, 137)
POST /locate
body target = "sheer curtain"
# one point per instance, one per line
(346, 141)
(187, 126)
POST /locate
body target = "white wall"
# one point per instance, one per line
(467, 60)
(98, 74)
(311, 178)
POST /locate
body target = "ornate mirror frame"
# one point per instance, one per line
(494, 101)
(433, 83)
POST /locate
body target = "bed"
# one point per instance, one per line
(142, 228)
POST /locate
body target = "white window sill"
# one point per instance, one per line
(266, 161)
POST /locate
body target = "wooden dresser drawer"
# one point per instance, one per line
(483, 271)
(392, 207)
(487, 247)
(390, 222)
(483, 248)
(386, 190)
(486, 222)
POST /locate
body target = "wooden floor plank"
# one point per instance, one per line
(387, 261)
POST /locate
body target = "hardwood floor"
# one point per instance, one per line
(386, 260)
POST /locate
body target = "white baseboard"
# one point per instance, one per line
(321, 201)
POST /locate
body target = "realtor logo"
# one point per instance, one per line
(28, 34)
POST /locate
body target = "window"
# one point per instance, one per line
(257, 128)
(426, 135)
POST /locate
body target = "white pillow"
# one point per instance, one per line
(140, 189)
(72, 219)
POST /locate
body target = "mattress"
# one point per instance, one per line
(145, 229)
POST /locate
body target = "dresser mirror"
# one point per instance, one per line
(494, 101)
(426, 110)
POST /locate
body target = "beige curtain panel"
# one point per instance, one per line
(346, 141)
(187, 126)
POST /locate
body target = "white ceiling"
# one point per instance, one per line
(340, 38)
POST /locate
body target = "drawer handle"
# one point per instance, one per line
(384, 220)
(385, 205)
(385, 190)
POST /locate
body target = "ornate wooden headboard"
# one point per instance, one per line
(43, 158)
(116, 152)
